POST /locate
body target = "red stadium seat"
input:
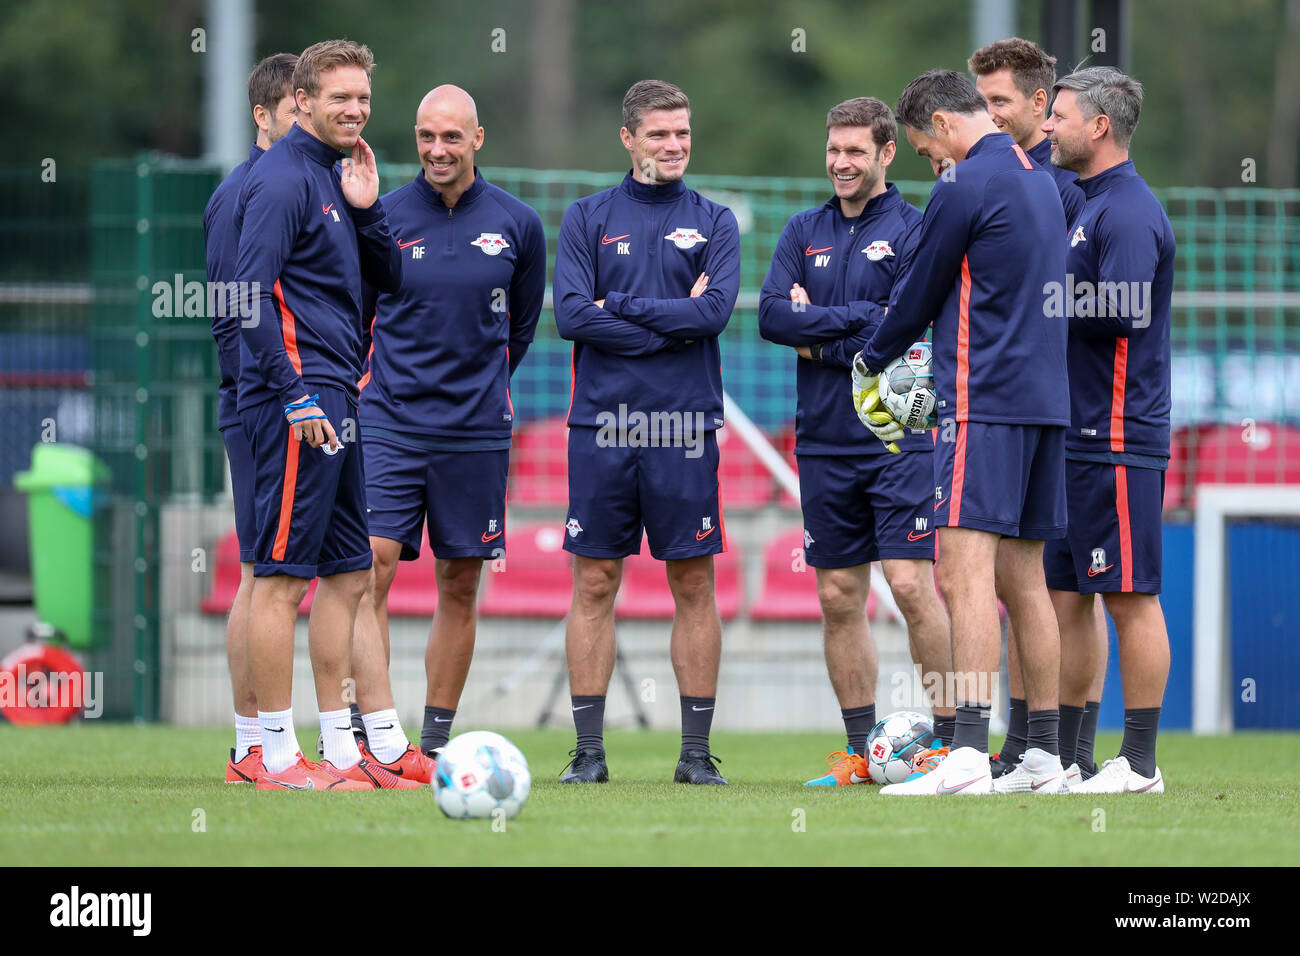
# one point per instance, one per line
(644, 592)
(789, 585)
(415, 587)
(225, 578)
(742, 479)
(537, 575)
(539, 464)
(1266, 454)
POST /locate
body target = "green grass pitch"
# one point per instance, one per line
(117, 794)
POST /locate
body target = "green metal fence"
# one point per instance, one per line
(83, 326)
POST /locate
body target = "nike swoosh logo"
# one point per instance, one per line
(488, 537)
(326, 209)
(442, 720)
(403, 245)
(276, 730)
(693, 707)
(938, 503)
(294, 786)
(1128, 789)
(1093, 572)
(913, 536)
(395, 771)
(1039, 786)
(385, 727)
(346, 727)
(810, 251)
(605, 240)
(941, 788)
(701, 536)
(583, 707)
(854, 778)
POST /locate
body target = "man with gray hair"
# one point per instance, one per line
(1117, 296)
(989, 241)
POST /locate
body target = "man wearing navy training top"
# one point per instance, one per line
(435, 399)
(270, 97)
(989, 244)
(307, 237)
(1015, 77)
(830, 279)
(646, 276)
(1120, 276)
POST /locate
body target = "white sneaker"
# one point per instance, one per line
(1037, 772)
(1073, 777)
(1116, 776)
(962, 771)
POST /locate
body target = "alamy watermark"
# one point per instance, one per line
(1098, 300)
(40, 689)
(637, 429)
(177, 299)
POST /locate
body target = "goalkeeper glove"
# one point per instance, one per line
(871, 410)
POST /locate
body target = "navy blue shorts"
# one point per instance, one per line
(616, 490)
(862, 508)
(1007, 479)
(1113, 544)
(240, 454)
(463, 495)
(311, 504)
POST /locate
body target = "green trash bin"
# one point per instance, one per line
(60, 508)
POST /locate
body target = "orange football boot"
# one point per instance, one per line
(412, 765)
(371, 776)
(846, 768)
(246, 770)
(305, 775)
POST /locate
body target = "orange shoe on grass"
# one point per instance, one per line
(846, 768)
(372, 776)
(412, 765)
(246, 770)
(305, 775)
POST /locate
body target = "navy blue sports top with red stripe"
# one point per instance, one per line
(987, 258)
(307, 250)
(1120, 270)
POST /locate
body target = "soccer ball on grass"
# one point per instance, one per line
(893, 743)
(480, 773)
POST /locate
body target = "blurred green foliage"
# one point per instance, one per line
(94, 78)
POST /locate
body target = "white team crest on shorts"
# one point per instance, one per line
(807, 539)
(1078, 237)
(685, 237)
(573, 527)
(491, 243)
(878, 249)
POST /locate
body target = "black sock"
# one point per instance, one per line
(1013, 748)
(858, 722)
(972, 726)
(358, 725)
(1139, 746)
(436, 729)
(589, 720)
(1044, 730)
(1083, 755)
(1068, 734)
(944, 728)
(697, 718)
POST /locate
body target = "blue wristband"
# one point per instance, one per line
(300, 404)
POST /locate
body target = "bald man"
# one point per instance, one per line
(435, 405)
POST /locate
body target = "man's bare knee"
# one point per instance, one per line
(596, 580)
(691, 580)
(458, 580)
(841, 594)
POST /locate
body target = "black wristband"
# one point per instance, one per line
(815, 351)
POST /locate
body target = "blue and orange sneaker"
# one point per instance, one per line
(926, 761)
(246, 770)
(411, 765)
(847, 768)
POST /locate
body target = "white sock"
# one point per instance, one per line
(340, 745)
(384, 735)
(279, 742)
(248, 733)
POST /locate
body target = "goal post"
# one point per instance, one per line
(1212, 690)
